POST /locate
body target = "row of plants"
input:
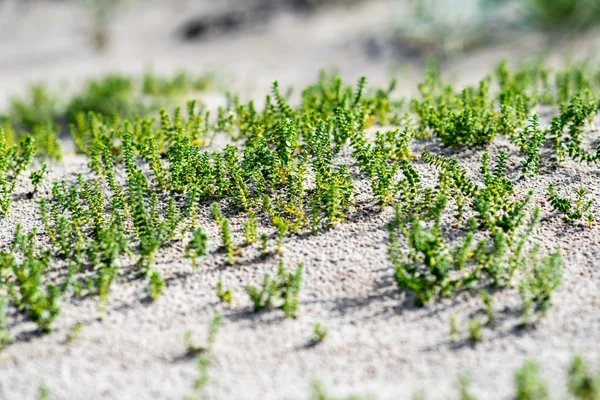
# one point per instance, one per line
(290, 167)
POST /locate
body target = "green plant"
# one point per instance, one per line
(581, 384)
(210, 342)
(542, 279)
(157, 285)
(197, 247)
(475, 333)
(571, 211)
(282, 229)
(319, 333)
(489, 307)
(250, 229)
(204, 355)
(282, 293)
(264, 244)
(529, 384)
(43, 393)
(37, 177)
(227, 241)
(464, 388)
(75, 332)
(562, 15)
(454, 330)
(224, 295)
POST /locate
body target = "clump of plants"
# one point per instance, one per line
(281, 293)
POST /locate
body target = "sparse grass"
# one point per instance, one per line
(282, 293)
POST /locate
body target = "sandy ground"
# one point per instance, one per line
(378, 343)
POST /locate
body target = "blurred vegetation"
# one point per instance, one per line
(566, 15)
(454, 26)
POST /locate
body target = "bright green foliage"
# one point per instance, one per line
(251, 228)
(461, 118)
(282, 293)
(530, 142)
(37, 177)
(224, 295)
(263, 298)
(299, 165)
(197, 247)
(282, 229)
(529, 383)
(571, 211)
(157, 285)
(264, 239)
(33, 296)
(227, 241)
(14, 159)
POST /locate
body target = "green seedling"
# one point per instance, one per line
(225, 296)
(319, 333)
(282, 293)
(197, 247)
(529, 383)
(157, 285)
(75, 333)
(475, 332)
(210, 342)
(250, 229)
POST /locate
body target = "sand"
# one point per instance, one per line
(378, 344)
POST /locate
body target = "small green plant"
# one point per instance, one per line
(225, 296)
(250, 229)
(204, 355)
(75, 333)
(581, 384)
(157, 285)
(210, 341)
(197, 247)
(529, 383)
(454, 330)
(543, 278)
(282, 229)
(227, 241)
(264, 242)
(571, 211)
(489, 307)
(475, 332)
(464, 388)
(319, 333)
(43, 393)
(282, 293)
(37, 177)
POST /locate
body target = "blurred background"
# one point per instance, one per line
(250, 43)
